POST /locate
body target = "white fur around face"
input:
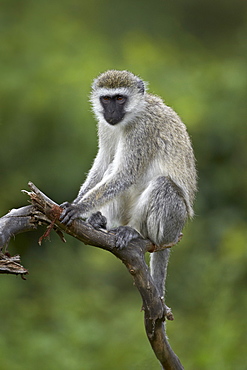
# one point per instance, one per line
(134, 105)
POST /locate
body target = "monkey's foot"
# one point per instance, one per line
(124, 235)
(97, 220)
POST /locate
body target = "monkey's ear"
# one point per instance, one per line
(141, 86)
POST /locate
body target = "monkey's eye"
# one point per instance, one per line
(121, 99)
(106, 99)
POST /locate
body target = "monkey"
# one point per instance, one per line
(143, 180)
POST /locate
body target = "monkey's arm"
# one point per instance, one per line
(94, 176)
(125, 169)
(95, 198)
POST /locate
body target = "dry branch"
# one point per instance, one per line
(44, 211)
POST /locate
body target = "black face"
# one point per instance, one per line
(113, 108)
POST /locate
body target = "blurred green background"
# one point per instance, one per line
(78, 308)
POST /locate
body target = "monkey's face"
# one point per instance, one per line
(113, 108)
(118, 96)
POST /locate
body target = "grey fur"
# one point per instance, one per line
(144, 174)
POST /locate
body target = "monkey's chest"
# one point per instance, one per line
(119, 210)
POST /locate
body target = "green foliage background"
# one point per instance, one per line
(78, 309)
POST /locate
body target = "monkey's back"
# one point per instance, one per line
(174, 146)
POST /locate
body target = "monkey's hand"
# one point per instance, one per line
(124, 235)
(71, 212)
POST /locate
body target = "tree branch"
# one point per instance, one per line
(44, 211)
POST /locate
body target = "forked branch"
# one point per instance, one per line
(44, 211)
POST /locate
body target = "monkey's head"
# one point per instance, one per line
(117, 96)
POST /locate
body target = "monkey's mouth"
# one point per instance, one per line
(113, 118)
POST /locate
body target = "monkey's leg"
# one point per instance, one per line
(165, 215)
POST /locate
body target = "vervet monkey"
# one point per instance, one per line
(144, 175)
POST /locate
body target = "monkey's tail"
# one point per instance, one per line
(158, 267)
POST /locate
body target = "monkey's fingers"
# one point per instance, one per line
(97, 220)
(124, 235)
(65, 204)
(69, 214)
